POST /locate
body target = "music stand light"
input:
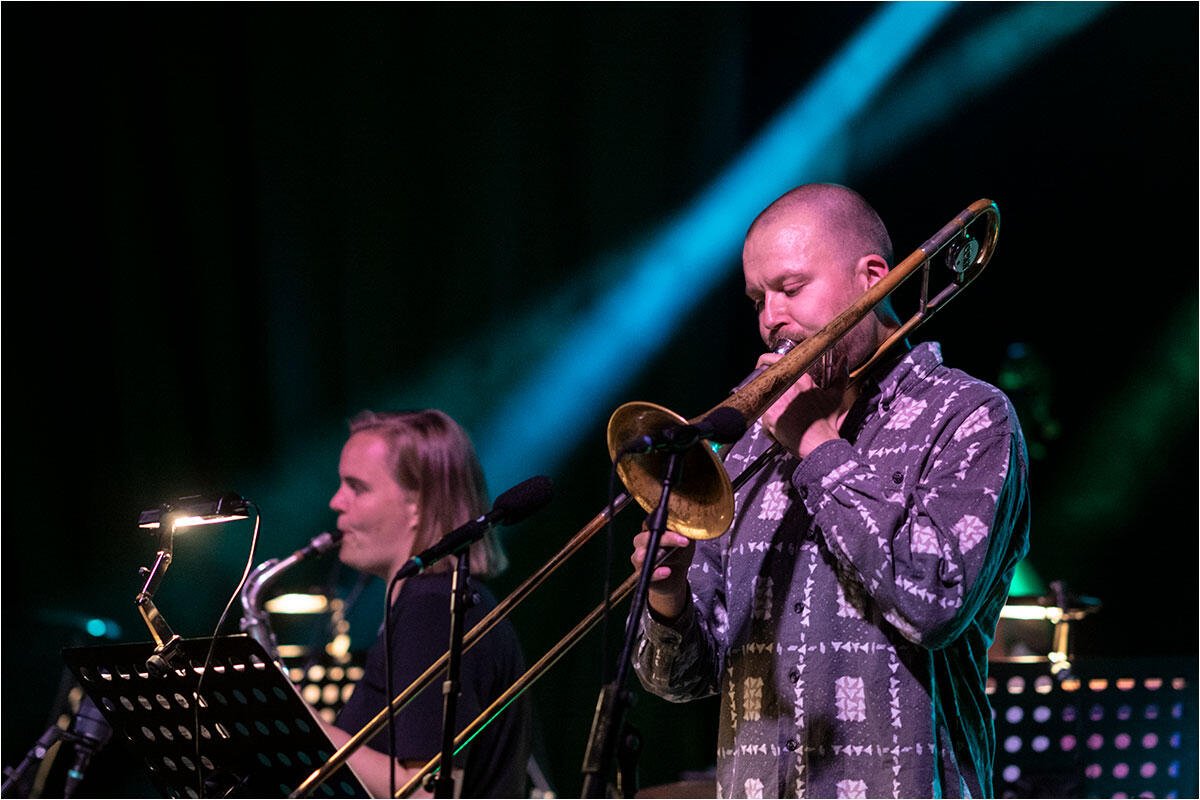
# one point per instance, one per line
(196, 510)
(186, 512)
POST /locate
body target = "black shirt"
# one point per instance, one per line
(495, 762)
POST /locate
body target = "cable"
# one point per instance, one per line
(213, 644)
(608, 554)
(387, 682)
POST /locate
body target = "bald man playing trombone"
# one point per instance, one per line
(845, 617)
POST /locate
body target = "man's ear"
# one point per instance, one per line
(871, 268)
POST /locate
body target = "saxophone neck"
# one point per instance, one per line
(265, 573)
(258, 581)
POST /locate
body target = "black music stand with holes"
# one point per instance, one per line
(1117, 727)
(249, 735)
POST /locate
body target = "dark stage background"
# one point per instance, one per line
(232, 226)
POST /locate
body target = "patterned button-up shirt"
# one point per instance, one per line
(845, 618)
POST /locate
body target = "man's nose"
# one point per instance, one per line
(773, 312)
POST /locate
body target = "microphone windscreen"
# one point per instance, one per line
(723, 426)
(523, 499)
(90, 723)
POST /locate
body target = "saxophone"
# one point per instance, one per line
(255, 620)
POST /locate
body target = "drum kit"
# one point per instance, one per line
(1036, 629)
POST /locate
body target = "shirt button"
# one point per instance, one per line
(794, 675)
(792, 744)
(798, 607)
(897, 477)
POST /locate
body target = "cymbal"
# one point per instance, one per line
(1047, 606)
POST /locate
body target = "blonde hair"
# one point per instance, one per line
(430, 454)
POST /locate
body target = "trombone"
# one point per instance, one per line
(701, 505)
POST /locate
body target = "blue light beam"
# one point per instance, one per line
(535, 427)
(571, 384)
(965, 70)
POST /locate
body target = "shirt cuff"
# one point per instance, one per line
(668, 633)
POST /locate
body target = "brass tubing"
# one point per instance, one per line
(525, 681)
(489, 621)
(755, 398)
(566, 643)
(752, 399)
(502, 609)
(701, 507)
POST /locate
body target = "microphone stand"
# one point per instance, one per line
(87, 733)
(90, 731)
(614, 699)
(461, 598)
(13, 776)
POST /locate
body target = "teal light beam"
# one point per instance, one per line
(533, 428)
(1139, 422)
(807, 140)
(964, 71)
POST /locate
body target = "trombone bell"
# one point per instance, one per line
(701, 503)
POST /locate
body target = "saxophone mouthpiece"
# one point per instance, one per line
(321, 543)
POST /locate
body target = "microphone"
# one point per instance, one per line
(511, 507)
(90, 732)
(724, 425)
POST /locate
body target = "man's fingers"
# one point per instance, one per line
(672, 544)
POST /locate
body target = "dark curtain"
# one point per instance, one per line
(231, 226)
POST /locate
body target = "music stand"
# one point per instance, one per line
(249, 735)
(1117, 727)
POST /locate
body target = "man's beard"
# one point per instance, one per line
(833, 368)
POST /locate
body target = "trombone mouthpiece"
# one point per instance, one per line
(780, 346)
